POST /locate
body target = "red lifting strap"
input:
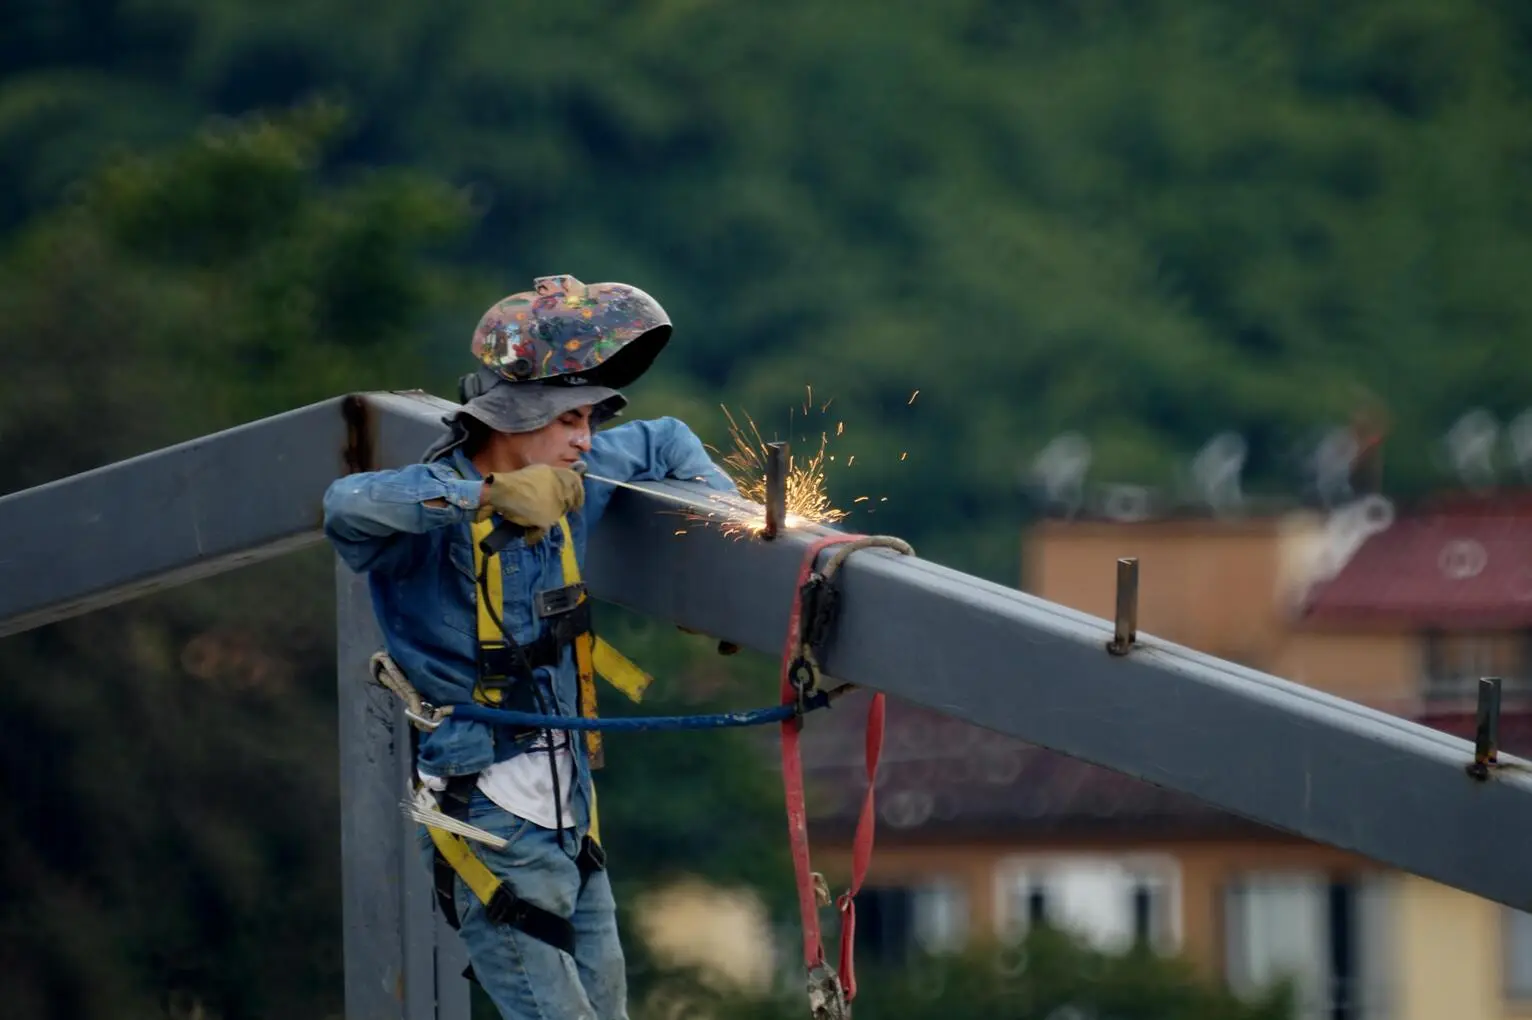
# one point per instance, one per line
(797, 811)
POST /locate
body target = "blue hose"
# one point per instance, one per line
(719, 720)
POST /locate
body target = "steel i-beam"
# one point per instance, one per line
(1250, 743)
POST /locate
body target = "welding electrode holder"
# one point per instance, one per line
(507, 531)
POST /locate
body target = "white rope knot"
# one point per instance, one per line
(842, 552)
(422, 715)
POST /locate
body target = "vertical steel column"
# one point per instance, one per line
(401, 961)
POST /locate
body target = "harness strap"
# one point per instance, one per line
(861, 848)
(501, 903)
(829, 994)
(792, 771)
(593, 655)
(571, 624)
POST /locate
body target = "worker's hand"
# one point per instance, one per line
(534, 497)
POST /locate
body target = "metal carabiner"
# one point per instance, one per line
(827, 999)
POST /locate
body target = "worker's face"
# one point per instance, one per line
(561, 443)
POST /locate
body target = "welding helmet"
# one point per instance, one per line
(566, 333)
(561, 345)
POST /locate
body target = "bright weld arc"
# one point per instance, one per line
(745, 464)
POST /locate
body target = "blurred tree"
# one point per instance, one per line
(171, 818)
(1147, 221)
(170, 838)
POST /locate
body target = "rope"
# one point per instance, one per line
(842, 551)
(899, 545)
(718, 720)
(426, 717)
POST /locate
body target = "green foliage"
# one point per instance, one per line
(1049, 976)
(178, 310)
(192, 812)
(171, 817)
(1144, 220)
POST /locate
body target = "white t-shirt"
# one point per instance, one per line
(523, 785)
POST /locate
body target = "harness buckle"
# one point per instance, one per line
(820, 605)
(592, 857)
(827, 998)
(805, 680)
(501, 665)
(427, 719)
(557, 601)
(505, 907)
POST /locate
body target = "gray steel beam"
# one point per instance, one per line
(167, 517)
(195, 509)
(1255, 745)
(1248, 742)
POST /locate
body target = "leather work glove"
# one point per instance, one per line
(534, 497)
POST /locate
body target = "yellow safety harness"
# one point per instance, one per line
(592, 655)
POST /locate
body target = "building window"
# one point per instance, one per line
(1453, 663)
(1329, 937)
(1113, 903)
(1517, 954)
(940, 916)
(896, 923)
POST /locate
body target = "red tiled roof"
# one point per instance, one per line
(944, 779)
(942, 776)
(1465, 563)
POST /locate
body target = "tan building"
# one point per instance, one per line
(980, 835)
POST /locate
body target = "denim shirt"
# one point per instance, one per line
(419, 563)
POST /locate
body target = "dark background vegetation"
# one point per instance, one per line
(1144, 220)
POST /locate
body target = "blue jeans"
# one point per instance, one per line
(525, 978)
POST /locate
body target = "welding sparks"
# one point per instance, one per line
(745, 464)
(745, 461)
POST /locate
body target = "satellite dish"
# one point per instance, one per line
(1471, 446)
(1060, 471)
(1126, 503)
(1217, 469)
(1348, 527)
(1519, 435)
(1332, 463)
